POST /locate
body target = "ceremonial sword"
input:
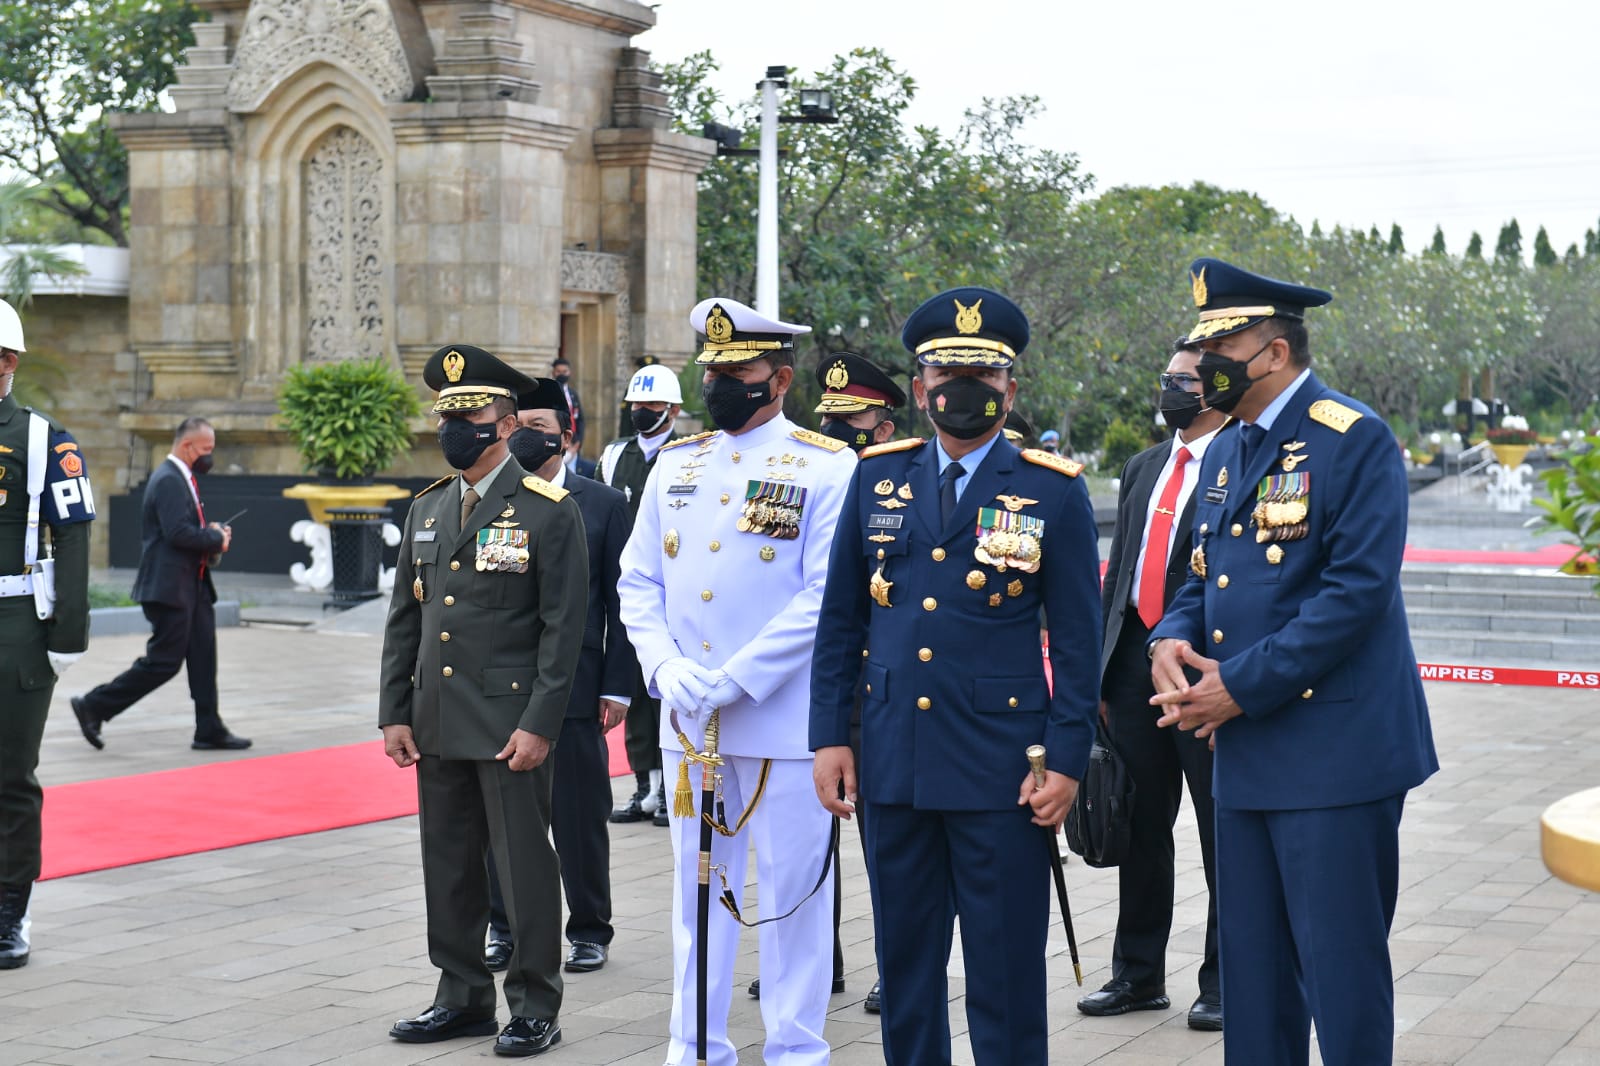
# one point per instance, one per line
(1035, 755)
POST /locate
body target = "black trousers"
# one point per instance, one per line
(178, 636)
(465, 807)
(1159, 760)
(579, 809)
(22, 716)
(641, 730)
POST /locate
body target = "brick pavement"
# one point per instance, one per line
(304, 950)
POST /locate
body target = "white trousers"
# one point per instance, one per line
(790, 831)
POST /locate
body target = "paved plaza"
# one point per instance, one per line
(305, 950)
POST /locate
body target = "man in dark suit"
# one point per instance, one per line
(581, 793)
(1149, 559)
(1305, 676)
(484, 628)
(936, 543)
(561, 371)
(174, 588)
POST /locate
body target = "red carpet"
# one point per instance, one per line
(119, 821)
(1548, 557)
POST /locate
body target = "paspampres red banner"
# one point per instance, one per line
(1503, 675)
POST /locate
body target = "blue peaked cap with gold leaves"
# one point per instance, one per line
(966, 327)
(1230, 299)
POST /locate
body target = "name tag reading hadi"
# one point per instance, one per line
(885, 521)
(503, 551)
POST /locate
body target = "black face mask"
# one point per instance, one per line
(1180, 408)
(1226, 380)
(840, 430)
(965, 407)
(201, 464)
(532, 448)
(463, 442)
(732, 403)
(647, 421)
(562, 377)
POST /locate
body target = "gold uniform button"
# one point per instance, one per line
(444, 636)
(1222, 581)
(516, 686)
(1306, 695)
(716, 545)
(869, 690)
(938, 555)
(863, 653)
(448, 672)
(1237, 529)
(706, 644)
(706, 595)
(925, 654)
(449, 601)
(880, 553)
(1205, 527)
(929, 604)
(923, 703)
(455, 564)
(1216, 636)
(1012, 701)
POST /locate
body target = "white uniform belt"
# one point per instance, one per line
(16, 585)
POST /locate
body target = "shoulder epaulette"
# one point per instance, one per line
(1060, 464)
(689, 439)
(544, 488)
(442, 481)
(1334, 414)
(819, 440)
(893, 446)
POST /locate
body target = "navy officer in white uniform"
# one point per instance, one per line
(721, 588)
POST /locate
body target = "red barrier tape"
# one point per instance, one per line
(1501, 675)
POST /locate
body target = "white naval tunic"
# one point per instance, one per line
(694, 585)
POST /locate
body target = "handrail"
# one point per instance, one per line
(1483, 458)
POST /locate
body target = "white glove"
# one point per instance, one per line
(683, 684)
(60, 660)
(723, 691)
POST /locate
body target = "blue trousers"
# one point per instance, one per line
(1305, 900)
(992, 869)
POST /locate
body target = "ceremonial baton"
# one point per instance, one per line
(683, 807)
(1036, 762)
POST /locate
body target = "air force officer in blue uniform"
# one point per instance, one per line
(944, 556)
(1292, 622)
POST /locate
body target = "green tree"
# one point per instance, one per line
(1397, 242)
(1474, 246)
(25, 261)
(1543, 254)
(1508, 247)
(1437, 247)
(65, 65)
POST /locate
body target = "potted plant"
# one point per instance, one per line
(1574, 506)
(348, 420)
(1511, 440)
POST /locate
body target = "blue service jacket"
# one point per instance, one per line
(950, 673)
(1311, 632)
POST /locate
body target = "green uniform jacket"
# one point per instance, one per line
(481, 653)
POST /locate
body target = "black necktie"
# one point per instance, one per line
(1252, 436)
(947, 491)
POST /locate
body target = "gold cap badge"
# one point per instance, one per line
(719, 329)
(838, 377)
(1199, 281)
(454, 364)
(968, 320)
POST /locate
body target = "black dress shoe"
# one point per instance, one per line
(585, 958)
(1206, 1015)
(497, 956)
(633, 812)
(1119, 997)
(662, 816)
(223, 741)
(528, 1036)
(874, 1001)
(443, 1023)
(755, 988)
(87, 723)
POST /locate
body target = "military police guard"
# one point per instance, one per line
(858, 400)
(44, 485)
(1292, 617)
(945, 554)
(484, 631)
(721, 586)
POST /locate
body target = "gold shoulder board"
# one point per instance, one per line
(1040, 457)
(820, 440)
(689, 439)
(442, 481)
(893, 446)
(1334, 414)
(544, 488)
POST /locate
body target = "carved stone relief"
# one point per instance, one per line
(282, 36)
(603, 273)
(344, 278)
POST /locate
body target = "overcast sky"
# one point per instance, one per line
(1356, 112)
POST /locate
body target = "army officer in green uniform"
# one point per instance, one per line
(33, 649)
(484, 629)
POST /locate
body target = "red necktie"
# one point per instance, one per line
(1153, 582)
(201, 511)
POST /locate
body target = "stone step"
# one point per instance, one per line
(1444, 575)
(1479, 601)
(1509, 624)
(1483, 649)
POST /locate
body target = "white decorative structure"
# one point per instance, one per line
(391, 537)
(1510, 488)
(318, 577)
(345, 291)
